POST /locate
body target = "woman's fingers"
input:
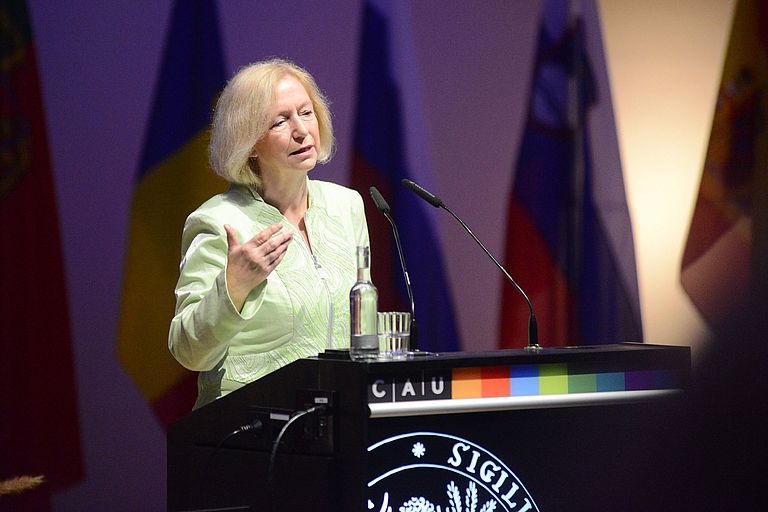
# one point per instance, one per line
(280, 247)
(265, 234)
(279, 257)
(250, 263)
(263, 251)
(272, 248)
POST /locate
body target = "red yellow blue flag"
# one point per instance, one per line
(173, 179)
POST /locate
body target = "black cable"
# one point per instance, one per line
(255, 425)
(270, 471)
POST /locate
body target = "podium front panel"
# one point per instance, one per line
(563, 429)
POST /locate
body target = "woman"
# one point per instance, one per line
(268, 265)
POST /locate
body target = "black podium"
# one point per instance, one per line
(560, 429)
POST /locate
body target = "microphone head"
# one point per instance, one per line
(423, 193)
(378, 200)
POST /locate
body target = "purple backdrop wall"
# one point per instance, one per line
(98, 62)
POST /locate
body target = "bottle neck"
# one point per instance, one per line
(363, 265)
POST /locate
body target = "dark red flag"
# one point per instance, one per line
(39, 427)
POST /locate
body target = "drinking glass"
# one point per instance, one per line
(394, 334)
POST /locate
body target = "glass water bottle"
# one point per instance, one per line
(363, 306)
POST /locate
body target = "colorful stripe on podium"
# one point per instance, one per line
(552, 379)
(536, 380)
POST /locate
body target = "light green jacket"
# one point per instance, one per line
(300, 310)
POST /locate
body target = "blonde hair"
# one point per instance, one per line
(241, 118)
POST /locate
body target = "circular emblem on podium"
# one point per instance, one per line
(434, 472)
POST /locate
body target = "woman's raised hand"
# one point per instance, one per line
(249, 263)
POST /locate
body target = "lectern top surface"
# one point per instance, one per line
(622, 352)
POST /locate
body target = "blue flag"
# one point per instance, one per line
(389, 145)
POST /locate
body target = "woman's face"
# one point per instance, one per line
(291, 143)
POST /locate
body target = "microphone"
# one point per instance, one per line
(383, 207)
(533, 330)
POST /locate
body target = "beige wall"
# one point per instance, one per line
(664, 61)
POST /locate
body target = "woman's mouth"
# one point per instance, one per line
(302, 150)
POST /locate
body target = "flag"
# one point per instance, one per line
(39, 429)
(173, 180)
(725, 254)
(569, 236)
(390, 144)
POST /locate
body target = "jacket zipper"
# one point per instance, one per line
(321, 272)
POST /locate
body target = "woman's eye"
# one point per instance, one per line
(278, 123)
(306, 113)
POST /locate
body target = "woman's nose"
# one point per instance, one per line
(299, 128)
